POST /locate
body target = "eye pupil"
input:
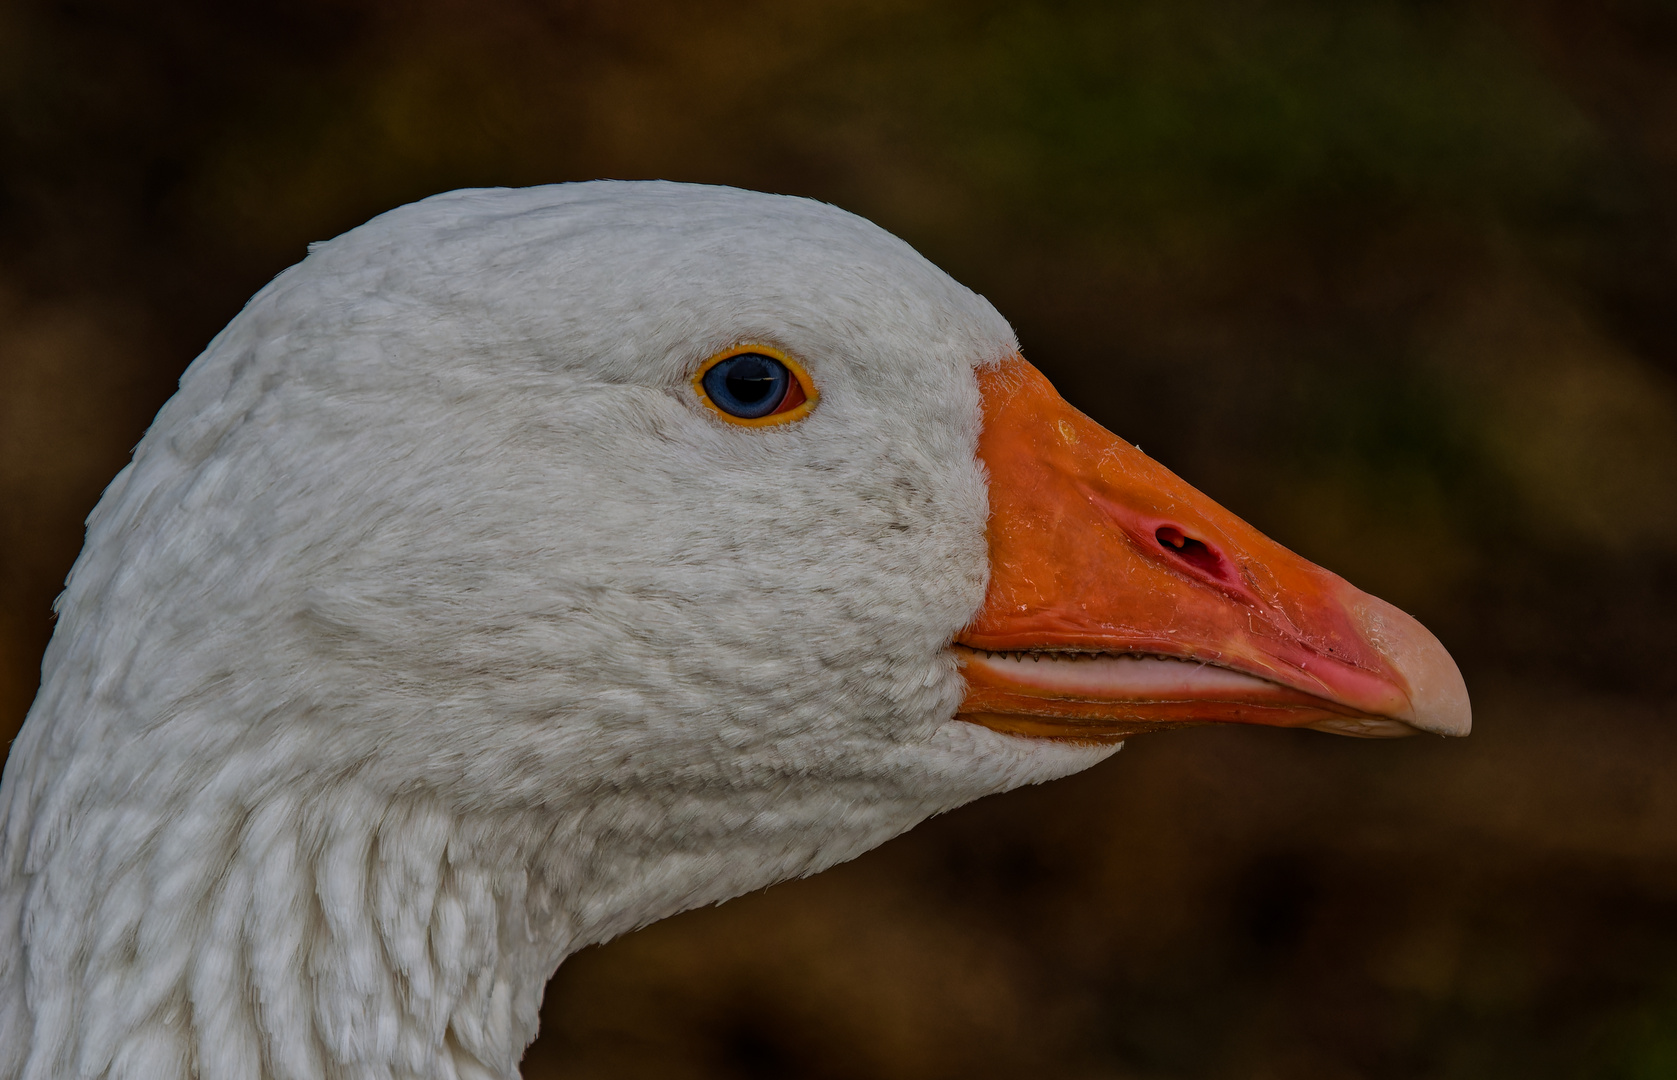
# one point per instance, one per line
(748, 386)
(750, 380)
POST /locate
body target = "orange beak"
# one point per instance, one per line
(1121, 600)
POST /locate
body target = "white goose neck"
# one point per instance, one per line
(335, 935)
(334, 932)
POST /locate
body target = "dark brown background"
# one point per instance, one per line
(1395, 281)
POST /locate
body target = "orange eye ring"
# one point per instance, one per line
(800, 398)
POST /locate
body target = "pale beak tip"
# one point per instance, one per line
(1438, 701)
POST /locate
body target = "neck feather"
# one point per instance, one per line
(347, 933)
(343, 936)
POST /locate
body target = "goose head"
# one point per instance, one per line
(528, 565)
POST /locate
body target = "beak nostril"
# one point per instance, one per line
(1186, 548)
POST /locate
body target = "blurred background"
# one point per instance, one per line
(1395, 281)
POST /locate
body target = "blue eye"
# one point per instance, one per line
(755, 386)
(749, 385)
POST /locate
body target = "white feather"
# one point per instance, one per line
(436, 630)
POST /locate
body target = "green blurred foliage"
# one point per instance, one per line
(1394, 279)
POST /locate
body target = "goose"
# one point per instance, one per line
(528, 565)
